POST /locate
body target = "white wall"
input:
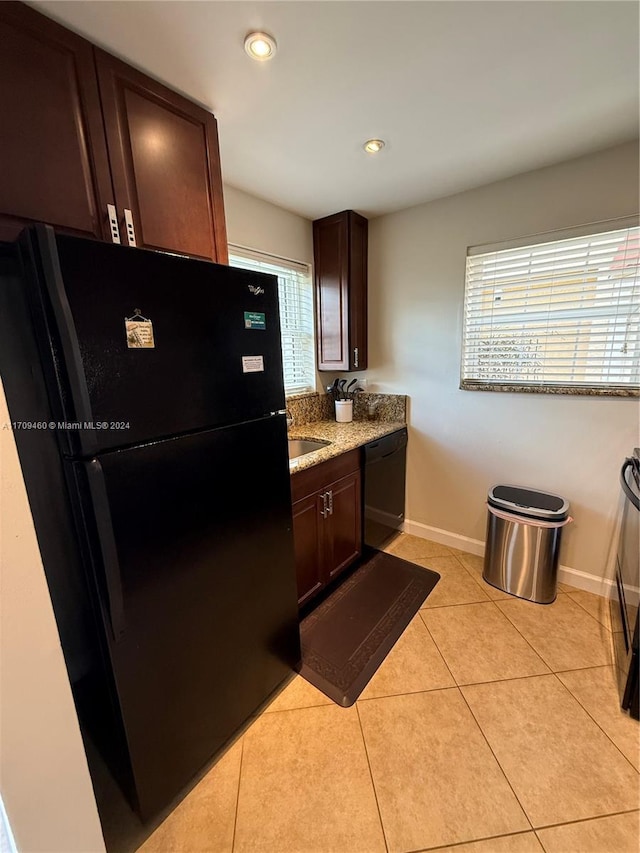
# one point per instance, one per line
(462, 442)
(44, 778)
(258, 224)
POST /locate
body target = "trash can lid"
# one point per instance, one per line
(529, 503)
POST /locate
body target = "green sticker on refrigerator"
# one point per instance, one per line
(254, 320)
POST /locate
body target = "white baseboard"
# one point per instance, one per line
(444, 537)
(566, 574)
(582, 580)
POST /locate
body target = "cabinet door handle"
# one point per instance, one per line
(325, 510)
(330, 496)
(355, 356)
(113, 223)
(131, 232)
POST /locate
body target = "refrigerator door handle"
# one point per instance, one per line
(46, 239)
(109, 551)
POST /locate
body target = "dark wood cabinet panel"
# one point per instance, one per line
(307, 541)
(344, 543)
(327, 522)
(332, 298)
(340, 245)
(358, 273)
(53, 156)
(163, 151)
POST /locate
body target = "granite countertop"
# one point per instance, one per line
(343, 437)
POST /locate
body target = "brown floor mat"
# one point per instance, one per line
(346, 638)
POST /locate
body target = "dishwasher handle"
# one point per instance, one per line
(385, 446)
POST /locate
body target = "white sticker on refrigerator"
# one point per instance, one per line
(252, 364)
(139, 332)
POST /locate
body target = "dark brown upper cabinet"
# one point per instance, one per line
(96, 148)
(340, 259)
(163, 151)
(53, 156)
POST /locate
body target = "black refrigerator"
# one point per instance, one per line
(147, 399)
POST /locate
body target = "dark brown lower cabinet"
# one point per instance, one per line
(327, 522)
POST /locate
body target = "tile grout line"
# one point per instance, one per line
(491, 680)
(529, 643)
(555, 673)
(444, 660)
(502, 770)
(558, 591)
(473, 575)
(602, 625)
(410, 693)
(583, 668)
(585, 819)
(531, 646)
(540, 842)
(464, 699)
(540, 655)
(406, 693)
(301, 707)
(235, 819)
(457, 686)
(551, 671)
(373, 783)
(475, 841)
(503, 680)
(574, 822)
(457, 604)
(591, 717)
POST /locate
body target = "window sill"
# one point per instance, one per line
(570, 390)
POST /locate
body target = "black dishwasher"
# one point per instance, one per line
(385, 466)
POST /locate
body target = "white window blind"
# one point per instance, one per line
(295, 295)
(553, 316)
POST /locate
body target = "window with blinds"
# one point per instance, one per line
(295, 294)
(554, 316)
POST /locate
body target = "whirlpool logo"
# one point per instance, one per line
(256, 290)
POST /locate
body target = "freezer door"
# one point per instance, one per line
(194, 568)
(145, 345)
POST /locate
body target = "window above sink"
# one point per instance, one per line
(295, 293)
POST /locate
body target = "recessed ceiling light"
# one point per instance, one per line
(260, 46)
(372, 146)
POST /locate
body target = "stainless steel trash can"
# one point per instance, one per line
(523, 538)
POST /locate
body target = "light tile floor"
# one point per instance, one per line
(493, 726)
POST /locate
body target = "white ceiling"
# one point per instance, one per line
(464, 92)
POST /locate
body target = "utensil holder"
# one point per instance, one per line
(344, 411)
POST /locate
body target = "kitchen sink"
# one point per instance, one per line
(300, 446)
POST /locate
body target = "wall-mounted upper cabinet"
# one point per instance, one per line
(91, 145)
(53, 156)
(163, 151)
(340, 258)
